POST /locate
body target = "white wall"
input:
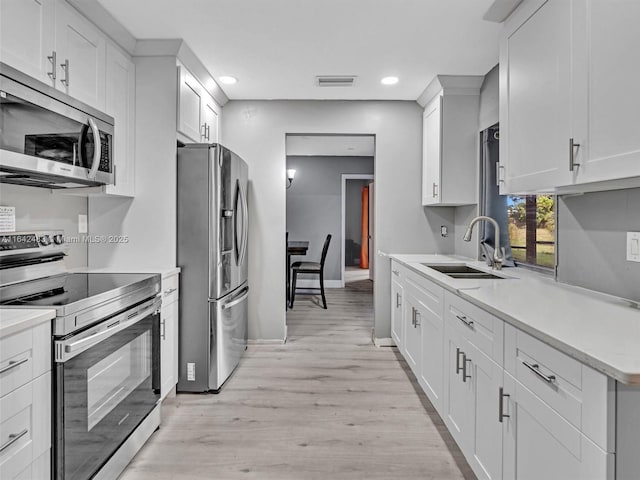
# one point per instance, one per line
(149, 219)
(256, 130)
(39, 209)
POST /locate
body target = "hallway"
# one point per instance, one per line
(327, 404)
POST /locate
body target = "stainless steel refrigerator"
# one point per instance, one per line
(212, 253)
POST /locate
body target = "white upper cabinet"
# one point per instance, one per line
(607, 76)
(27, 37)
(120, 104)
(81, 51)
(450, 140)
(198, 112)
(52, 42)
(569, 96)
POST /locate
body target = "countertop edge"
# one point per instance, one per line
(31, 318)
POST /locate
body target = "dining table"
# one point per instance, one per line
(294, 247)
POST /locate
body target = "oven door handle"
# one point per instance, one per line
(67, 349)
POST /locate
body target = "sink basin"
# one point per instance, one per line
(462, 271)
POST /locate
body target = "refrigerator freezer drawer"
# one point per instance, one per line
(228, 331)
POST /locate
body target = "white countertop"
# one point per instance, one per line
(601, 331)
(18, 319)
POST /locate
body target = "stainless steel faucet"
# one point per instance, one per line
(498, 252)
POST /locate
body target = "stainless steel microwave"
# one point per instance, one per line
(48, 139)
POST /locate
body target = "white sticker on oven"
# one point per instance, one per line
(7, 219)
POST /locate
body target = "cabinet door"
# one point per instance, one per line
(458, 390)
(210, 120)
(539, 443)
(27, 37)
(168, 348)
(608, 124)
(190, 107)
(397, 294)
(536, 101)
(431, 152)
(432, 368)
(83, 46)
(485, 448)
(120, 104)
(412, 334)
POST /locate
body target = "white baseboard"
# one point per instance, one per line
(384, 342)
(311, 283)
(266, 341)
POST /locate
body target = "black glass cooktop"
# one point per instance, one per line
(65, 289)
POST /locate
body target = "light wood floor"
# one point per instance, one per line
(326, 405)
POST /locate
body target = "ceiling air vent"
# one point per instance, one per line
(336, 81)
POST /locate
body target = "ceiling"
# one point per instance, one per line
(331, 145)
(276, 48)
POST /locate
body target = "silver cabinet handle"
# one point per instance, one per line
(501, 414)
(163, 331)
(572, 154)
(170, 291)
(458, 367)
(535, 368)
(97, 149)
(463, 319)
(13, 438)
(434, 190)
(54, 62)
(499, 169)
(396, 272)
(464, 367)
(398, 300)
(208, 132)
(417, 321)
(65, 67)
(413, 317)
(203, 127)
(13, 364)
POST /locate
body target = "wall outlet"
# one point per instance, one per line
(444, 231)
(633, 246)
(191, 372)
(82, 224)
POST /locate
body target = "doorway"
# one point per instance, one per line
(356, 227)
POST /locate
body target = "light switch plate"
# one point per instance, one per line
(82, 224)
(633, 246)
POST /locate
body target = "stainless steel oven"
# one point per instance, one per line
(107, 380)
(50, 139)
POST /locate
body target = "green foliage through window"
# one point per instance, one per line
(532, 229)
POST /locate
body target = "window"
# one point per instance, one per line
(532, 227)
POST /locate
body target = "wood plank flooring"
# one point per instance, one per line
(327, 404)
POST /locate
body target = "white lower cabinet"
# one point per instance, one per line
(412, 346)
(169, 335)
(539, 443)
(397, 298)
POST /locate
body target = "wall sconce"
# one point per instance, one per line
(290, 174)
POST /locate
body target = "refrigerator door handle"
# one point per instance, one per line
(237, 242)
(245, 224)
(236, 301)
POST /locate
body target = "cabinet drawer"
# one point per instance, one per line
(24, 356)
(483, 330)
(581, 395)
(170, 289)
(25, 425)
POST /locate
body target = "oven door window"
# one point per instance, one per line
(103, 395)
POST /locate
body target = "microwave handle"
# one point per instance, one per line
(97, 149)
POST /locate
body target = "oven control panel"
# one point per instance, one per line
(19, 242)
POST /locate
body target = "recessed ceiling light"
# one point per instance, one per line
(228, 80)
(389, 80)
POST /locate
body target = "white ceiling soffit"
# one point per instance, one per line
(331, 145)
(277, 48)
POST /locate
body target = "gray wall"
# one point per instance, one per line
(592, 241)
(353, 214)
(256, 130)
(314, 204)
(39, 209)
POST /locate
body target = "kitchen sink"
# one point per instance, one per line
(462, 271)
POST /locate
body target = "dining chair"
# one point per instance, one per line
(313, 268)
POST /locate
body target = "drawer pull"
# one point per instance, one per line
(13, 438)
(416, 316)
(501, 414)
(398, 300)
(458, 367)
(464, 367)
(535, 368)
(13, 364)
(170, 291)
(396, 272)
(463, 319)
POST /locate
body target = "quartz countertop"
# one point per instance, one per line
(19, 319)
(599, 330)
